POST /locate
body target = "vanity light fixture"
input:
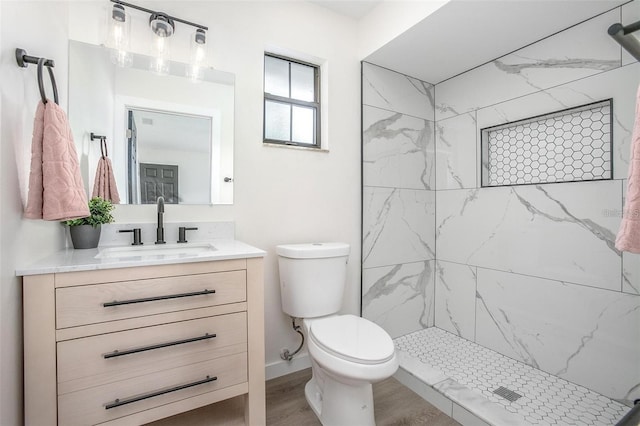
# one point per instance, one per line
(163, 27)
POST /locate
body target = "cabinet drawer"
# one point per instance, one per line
(111, 401)
(96, 303)
(97, 360)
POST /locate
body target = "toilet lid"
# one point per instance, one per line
(353, 338)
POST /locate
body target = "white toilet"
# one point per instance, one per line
(348, 353)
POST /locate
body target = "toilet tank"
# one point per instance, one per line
(312, 278)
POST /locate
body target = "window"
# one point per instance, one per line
(291, 102)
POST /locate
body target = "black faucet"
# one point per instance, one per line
(160, 229)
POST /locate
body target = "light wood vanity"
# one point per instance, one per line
(130, 345)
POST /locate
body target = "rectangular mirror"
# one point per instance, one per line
(166, 134)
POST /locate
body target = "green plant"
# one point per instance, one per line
(100, 210)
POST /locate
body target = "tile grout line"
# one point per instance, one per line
(475, 306)
(507, 272)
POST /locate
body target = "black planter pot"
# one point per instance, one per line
(85, 236)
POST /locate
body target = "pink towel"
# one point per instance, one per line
(629, 233)
(56, 191)
(105, 183)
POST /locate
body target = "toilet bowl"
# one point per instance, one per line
(348, 353)
(351, 347)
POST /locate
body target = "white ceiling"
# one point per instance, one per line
(464, 34)
(353, 9)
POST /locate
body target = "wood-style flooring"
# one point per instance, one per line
(395, 405)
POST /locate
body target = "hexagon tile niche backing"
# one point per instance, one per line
(564, 146)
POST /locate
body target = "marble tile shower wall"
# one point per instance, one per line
(398, 200)
(532, 271)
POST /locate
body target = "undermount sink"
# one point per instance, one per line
(150, 251)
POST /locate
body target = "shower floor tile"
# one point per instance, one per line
(440, 358)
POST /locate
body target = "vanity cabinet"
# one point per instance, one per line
(127, 346)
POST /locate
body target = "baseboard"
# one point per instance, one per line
(282, 367)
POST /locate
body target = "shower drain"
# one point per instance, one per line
(507, 394)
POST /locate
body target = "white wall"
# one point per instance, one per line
(41, 29)
(281, 195)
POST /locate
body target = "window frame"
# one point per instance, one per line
(315, 105)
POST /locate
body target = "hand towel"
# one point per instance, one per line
(104, 185)
(628, 238)
(56, 190)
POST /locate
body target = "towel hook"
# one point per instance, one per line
(24, 60)
(103, 144)
(41, 62)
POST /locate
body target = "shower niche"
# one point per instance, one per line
(570, 145)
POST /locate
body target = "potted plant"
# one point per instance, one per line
(85, 232)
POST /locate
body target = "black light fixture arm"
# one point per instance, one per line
(152, 12)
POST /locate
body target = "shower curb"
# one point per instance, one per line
(466, 406)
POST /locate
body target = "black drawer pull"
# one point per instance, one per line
(120, 402)
(156, 298)
(117, 353)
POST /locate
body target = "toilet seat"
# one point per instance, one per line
(353, 339)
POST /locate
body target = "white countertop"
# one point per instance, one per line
(71, 260)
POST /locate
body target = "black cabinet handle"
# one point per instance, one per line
(120, 402)
(156, 298)
(118, 353)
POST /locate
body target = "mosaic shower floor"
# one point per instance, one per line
(446, 361)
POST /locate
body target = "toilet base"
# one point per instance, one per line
(339, 404)
(313, 397)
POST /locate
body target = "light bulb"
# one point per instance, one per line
(162, 28)
(160, 59)
(198, 55)
(117, 40)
